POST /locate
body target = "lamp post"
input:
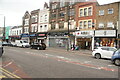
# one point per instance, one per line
(3, 29)
(68, 43)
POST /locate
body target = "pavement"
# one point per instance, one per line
(81, 51)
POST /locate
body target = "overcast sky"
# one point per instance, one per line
(14, 10)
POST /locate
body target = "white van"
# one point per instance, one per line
(22, 43)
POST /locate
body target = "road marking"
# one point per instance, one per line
(1, 76)
(87, 61)
(10, 74)
(8, 64)
(111, 65)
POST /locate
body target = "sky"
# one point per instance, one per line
(14, 10)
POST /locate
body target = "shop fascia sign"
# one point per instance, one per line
(107, 33)
(84, 33)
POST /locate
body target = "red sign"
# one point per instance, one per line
(41, 34)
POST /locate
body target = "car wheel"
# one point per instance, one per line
(97, 56)
(117, 62)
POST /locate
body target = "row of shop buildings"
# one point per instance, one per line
(85, 24)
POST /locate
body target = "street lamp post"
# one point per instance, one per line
(4, 30)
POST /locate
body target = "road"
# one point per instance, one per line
(31, 63)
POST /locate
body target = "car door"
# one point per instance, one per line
(111, 51)
(104, 52)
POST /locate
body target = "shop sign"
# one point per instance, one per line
(105, 33)
(24, 35)
(84, 33)
(41, 34)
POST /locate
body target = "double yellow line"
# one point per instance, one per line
(9, 74)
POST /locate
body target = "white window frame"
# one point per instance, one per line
(101, 24)
(110, 24)
(110, 12)
(101, 12)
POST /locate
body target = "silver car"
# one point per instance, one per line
(1, 49)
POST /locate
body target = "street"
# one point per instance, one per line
(50, 63)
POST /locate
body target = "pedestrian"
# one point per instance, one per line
(72, 46)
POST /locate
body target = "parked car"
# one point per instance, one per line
(103, 52)
(116, 58)
(39, 46)
(22, 43)
(1, 49)
(13, 44)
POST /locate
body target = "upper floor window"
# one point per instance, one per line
(52, 26)
(62, 3)
(61, 25)
(45, 17)
(101, 12)
(85, 12)
(110, 11)
(101, 25)
(34, 18)
(85, 24)
(26, 21)
(89, 24)
(110, 24)
(72, 12)
(54, 6)
(81, 24)
(61, 14)
(90, 11)
(53, 15)
(81, 12)
(71, 2)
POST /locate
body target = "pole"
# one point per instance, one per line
(4, 30)
(68, 44)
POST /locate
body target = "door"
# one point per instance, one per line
(111, 51)
(105, 52)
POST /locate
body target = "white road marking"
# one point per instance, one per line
(111, 65)
(87, 61)
(8, 64)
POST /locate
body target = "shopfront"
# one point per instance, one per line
(42, 38)
(25, 37)
(33, 38)
(58, 39)
(84, 39)
(13, 38)
(105, 38)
